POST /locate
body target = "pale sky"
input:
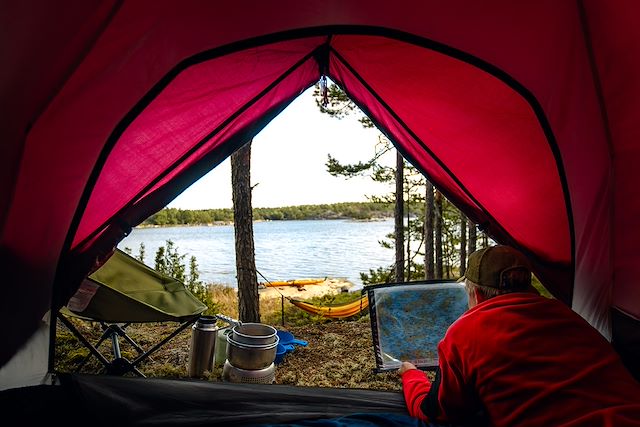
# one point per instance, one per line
(288, 163)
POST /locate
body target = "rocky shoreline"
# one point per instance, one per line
(325, 287)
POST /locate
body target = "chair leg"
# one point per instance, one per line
(122, 332)
(104, 336)
(164, 341)
(83, 340)
(120, 365)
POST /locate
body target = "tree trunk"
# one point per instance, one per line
(248, 298)
(463, 244)
(473, 237)
(399, 218)
(429, 267)
(438, 233)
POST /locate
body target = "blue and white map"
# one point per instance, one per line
(409, 321)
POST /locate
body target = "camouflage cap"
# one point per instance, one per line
(487, 266)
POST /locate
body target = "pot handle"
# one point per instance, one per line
(228, 319)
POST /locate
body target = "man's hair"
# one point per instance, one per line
(514, 280)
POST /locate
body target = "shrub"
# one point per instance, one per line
(170, 262)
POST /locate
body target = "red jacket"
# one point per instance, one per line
(525, 360)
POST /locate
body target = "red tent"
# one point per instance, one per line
(522, 113)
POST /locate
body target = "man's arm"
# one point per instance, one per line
(416, 387)
(447, 399)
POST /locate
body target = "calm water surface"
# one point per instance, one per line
(285, 250)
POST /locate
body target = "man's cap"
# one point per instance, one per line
(487, 266)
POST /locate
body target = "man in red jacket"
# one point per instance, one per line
(516, 358)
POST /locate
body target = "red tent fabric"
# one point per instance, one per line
(522, 113)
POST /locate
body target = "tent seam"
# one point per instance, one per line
(602, 106)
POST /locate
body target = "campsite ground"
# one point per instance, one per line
(339, 352)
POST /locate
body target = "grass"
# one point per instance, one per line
(339, 354)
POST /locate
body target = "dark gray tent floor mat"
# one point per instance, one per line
(117, 401)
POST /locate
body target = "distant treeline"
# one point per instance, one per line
(361, 211)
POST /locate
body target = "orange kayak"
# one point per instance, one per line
(299, 282)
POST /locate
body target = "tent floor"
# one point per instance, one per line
(107, 400)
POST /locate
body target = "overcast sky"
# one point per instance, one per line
(288, 163)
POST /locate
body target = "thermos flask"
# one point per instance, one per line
(203, 342)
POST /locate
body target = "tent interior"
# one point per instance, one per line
(523, 114)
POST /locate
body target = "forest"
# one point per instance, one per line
(355, 210)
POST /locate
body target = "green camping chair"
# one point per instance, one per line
(125, 291)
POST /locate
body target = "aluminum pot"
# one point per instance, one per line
(250, 356)
(254, 334)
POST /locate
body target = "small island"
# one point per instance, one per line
(361, 211)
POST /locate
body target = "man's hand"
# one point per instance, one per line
(406, 366)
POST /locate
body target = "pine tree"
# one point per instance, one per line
(248, 297)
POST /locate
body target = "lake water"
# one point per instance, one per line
(285, 250)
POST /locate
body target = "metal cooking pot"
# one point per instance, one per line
(248, 356)
(254, 334)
